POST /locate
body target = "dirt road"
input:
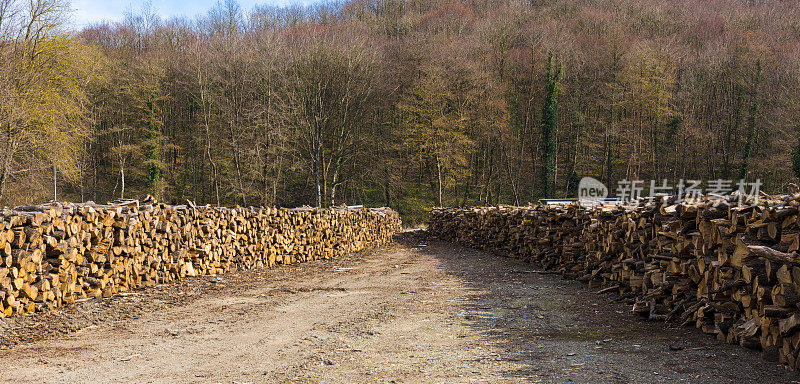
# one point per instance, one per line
(415, 312)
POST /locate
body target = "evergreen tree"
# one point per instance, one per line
(550, 127)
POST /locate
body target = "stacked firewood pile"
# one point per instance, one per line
(731, 270)
(60, 253)
(546, 236)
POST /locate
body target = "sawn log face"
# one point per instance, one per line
(731, 271)
(57, 253)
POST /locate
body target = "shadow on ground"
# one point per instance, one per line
(552, 330)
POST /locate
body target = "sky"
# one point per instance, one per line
(88, 12)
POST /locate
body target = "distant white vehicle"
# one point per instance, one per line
(586, 203)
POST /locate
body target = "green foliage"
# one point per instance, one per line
(752, 121)
(550, 127)
(796, 157)
(152, 150)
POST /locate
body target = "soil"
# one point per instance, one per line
(417, 311)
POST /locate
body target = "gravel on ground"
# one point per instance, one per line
(417, 311)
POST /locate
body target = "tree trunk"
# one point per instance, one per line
(751, 123)
(7, 155)
(439, 178)
(335, 182)
(550, 128)
(316, 161)
(122, 178)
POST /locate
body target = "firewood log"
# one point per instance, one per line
(737, 264)
(54, 254)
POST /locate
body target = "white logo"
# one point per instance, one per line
(591, 190)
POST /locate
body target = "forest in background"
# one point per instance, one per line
(407, 104)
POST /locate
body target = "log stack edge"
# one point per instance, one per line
(731, 271)
(59, 253)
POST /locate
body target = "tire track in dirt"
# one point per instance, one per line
(417, 311)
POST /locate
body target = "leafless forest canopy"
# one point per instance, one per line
(402, 103)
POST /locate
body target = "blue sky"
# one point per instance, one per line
(87, 12)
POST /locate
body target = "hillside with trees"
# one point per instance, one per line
(407, 104)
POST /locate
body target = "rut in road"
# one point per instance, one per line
(418, 311)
